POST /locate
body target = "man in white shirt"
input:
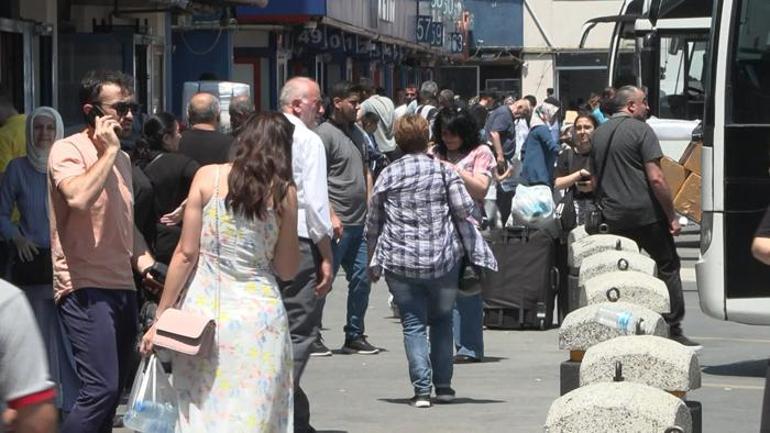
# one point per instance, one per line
(410, 94)
(300, 101)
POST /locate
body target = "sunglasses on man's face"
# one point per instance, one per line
(122, 108)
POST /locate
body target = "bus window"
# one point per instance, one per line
(681, 77)
(750, 78)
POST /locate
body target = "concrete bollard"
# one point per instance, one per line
(611, 261)
(591, 245)
(579, 331)
(577, 234)
(629, 286)
(621, 407)
(646, 359)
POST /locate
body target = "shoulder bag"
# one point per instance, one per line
(186, 332)
(595, 221)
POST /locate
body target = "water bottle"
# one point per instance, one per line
(151, 417)
(623, 321)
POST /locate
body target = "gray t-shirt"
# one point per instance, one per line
(627, 198)
(23, 366)
(345, 161)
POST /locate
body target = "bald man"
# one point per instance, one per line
(202, 141)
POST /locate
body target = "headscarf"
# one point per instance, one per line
(543, 115)
(383, 107)
(36, 156)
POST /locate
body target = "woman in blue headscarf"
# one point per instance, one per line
(24, 187)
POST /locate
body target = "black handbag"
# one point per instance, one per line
(595, 221)
(35, 272)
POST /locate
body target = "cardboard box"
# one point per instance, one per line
(688, 200)
(691, 157)
(674, 173)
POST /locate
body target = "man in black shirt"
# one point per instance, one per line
(636, 200)
(202, 141)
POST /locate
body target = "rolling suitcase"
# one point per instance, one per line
(521, 293)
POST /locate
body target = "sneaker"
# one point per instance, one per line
(359, 346)
(421, 401)
(445, 395)
(681, 339)
(318, 348)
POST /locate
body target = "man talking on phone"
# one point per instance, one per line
(94, 245)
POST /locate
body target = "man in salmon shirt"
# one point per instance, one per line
(94, 244)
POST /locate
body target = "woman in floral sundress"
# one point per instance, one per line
(240, 233)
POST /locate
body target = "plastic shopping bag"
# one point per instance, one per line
(533, 205)
(152, 406)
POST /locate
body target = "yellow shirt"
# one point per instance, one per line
(13, 139)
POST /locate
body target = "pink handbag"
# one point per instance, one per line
(186, 332)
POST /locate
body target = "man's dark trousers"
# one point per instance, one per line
(101, 324)
(657, 240)
(303, 309)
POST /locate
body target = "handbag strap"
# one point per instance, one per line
(598, 191)
(217, 243)
(443, 169)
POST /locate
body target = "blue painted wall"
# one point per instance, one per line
(286, 7)
(197, 52)
(497, 22)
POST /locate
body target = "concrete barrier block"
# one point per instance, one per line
(621, 407)
(611, 261)
(646, 359)
(580, 330)
(577, 234)
(628, 286)
(591, 245)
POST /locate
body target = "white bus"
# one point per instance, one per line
(736, 163)
(661, 45)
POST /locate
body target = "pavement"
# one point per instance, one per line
(512, 390)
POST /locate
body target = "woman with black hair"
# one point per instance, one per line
(170, 174)
(573, 168)
(458, 145)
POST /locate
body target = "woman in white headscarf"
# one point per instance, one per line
(540, 150)
(24, 187)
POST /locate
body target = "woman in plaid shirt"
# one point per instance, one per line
(417, 208)
(458, 145)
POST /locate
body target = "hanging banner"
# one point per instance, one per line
(436, 34)
(423, 28)
(456, 42)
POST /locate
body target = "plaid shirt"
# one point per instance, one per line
(410, 221)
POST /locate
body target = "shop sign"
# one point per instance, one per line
(339, 41)
(456, 42)
(312, 38)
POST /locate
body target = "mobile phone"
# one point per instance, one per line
(96, 111)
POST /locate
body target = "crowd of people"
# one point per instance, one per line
(251, 229)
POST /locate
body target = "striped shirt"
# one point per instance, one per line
(414, 215)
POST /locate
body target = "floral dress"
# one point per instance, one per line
(245, 383)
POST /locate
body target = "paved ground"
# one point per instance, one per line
(513, 389)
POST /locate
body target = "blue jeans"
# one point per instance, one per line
(350, 253)
(426, 303)
(468, 321)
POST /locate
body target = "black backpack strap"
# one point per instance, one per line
(598, 191)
